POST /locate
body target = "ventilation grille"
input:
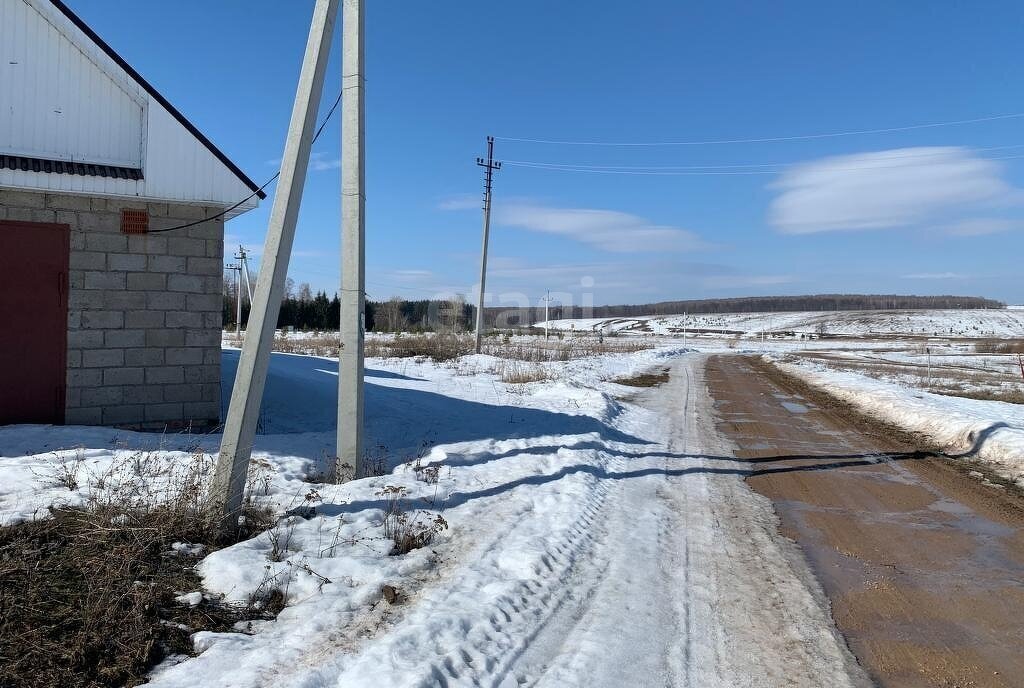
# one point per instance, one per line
(134, 221)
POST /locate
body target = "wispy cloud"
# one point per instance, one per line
(460, 202)
(893, 188)
(740, 281)
(935, 276)
(608, 230)
(982, 226)
(410, 275)
(318, 162)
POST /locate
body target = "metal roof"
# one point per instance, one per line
(157, 96)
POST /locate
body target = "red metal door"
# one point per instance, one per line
(33, 321)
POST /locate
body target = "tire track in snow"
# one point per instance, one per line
(474, 646)
(536, 602)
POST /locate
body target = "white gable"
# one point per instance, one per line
(56, 101)
(65, 98)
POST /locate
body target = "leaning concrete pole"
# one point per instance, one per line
(353, 231)
(243, 412)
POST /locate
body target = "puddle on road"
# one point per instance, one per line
(794, 407)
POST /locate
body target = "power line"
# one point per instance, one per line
(678, 173)
(723, 170)
(257, 191)
(537, 163)
(768, 139)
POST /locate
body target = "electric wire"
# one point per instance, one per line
(267, 183)
(767, 139)
(791, 163)
(731, 170)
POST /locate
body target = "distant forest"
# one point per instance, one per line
(301, 309)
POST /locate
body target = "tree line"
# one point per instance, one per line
(302, 309)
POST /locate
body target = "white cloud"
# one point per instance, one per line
(318, 162)
(745, 281)
(895, 188)
(410, 275)
(982, 225)
(935, 276)
(608, 230)
(461, 202)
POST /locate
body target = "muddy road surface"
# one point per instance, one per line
(923, 563)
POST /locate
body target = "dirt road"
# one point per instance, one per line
(923, 564)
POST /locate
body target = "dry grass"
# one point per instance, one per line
(326, 344)
(999, 346)
(988, 379)
(1011, 396)
(437, 347)
(408, 530)
(517, 372)
(87, 596)
(644, 379)
(541, 351)
(448, 346)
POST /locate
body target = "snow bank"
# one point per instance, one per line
(992, 431)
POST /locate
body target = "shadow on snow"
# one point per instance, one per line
(301, 396)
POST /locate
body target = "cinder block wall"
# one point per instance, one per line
(144, 311)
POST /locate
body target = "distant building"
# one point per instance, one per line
(104, 318)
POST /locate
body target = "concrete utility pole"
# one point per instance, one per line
(240, 426)
(242, 268)
(353, 229)
(237, 269)
(547, 303)
(489, 166)
(244, 260)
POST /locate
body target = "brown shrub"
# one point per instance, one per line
(999, 346)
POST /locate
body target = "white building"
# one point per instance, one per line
(106, 318)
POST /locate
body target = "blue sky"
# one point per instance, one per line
(929, 210)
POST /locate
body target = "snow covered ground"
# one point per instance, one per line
(590, 541)
(992, 431)
(937, 323)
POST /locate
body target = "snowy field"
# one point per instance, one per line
(575, 519)
(918, 323)
(580, 526)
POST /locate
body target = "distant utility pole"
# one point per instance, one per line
(237, 269)
(349, 440)
(489, 165)
(243, 412)
(547, 303)
(242, 268)
(243, 260)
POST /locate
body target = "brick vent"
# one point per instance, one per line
(134, 221)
